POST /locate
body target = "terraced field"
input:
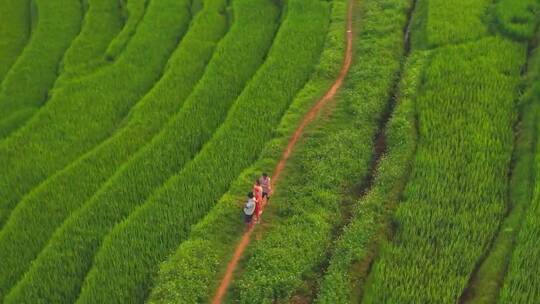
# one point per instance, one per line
(401, 138)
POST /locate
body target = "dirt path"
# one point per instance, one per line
(308, 118)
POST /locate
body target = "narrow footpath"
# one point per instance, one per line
(308, 118)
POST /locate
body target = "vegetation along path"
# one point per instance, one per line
(308, 118)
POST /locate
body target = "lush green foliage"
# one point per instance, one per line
(334, 159)
(342, 280)
(27, 84)
(70, 251)
(84, 112)
(192, 273)
(41, 211)
(14, 33)
(130, 254)
(135, 11)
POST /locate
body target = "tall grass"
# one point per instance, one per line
(47, 206)
(83, 113)
(137, 245)
(102, 22)
(27, 84)
(14, 32)
(70, 251)
(191, 275)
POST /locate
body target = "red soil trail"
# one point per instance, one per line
(308, 118)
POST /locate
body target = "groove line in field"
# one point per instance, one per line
(307, 119)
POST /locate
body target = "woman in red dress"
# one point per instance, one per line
(258, 193)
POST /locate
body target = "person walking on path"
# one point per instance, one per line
(266, 186)
(249, 210)
(258, 193)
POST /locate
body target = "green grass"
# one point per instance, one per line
(71, 249)
(191, 275)
(45, 208)
(31, 77)
(102, 22)
(83, 113)
(14, 32)
(135, 11)
(345, 278)
(137, 245)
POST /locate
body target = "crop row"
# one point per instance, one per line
(14, 33)
(347, 272)
(192, 273)
(236, 58)
(333, 159)
(47, 206)
(102, 22)
(26, 86)
(521, 284)
(134, 9)
(128, 259)
(457, 193)
(83, 113)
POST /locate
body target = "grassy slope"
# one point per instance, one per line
(70, 252)
(185, 198)
(84, 113)
(44, 209)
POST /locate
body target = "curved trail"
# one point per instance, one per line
(308, 118)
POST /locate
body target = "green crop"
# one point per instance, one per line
(26, 86)
(135, 11)
(137, 245)
(192, 273)
(37, 216)
(102, 22)
(14, 33)
(83, 113)
(70, 251)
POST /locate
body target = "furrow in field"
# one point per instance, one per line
(81, 115)
(70, 251)
(26, 86)
(185, 198)
(47, 206)
(194, 271)
(15, 30)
